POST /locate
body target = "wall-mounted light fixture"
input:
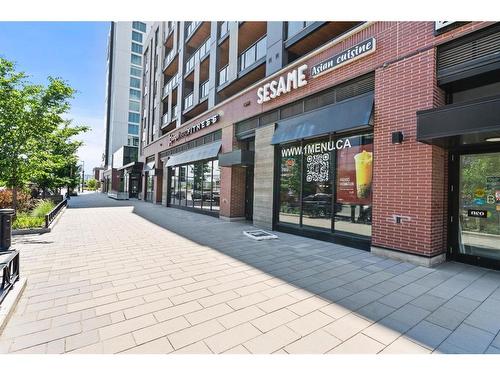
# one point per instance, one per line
(397, 138)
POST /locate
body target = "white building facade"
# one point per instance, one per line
(123, 86)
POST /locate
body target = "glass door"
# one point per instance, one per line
(479, 207)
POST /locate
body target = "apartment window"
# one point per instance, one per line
(135, 82)
(136, 59)
(134, 106)
(137, 48)
(134, 117)
(135, 72)
(136, 37)
(133, 129)
(135, 94)
(141, 26)
(133, 141)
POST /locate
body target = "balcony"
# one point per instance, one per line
(191, 28)
(200, 53)
(223, 75)
(224, 29)
(293, 28)
(164, 119)
(169, 58)
(175, 112)
(188, 101)
(204, 90)
(170, 85)
(252, 54)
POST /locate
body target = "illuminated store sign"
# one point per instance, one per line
(193, 129)
(284, 84)
(359, 50)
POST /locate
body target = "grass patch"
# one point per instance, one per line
(42, 209)
(24, 220)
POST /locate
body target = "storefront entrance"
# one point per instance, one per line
(325, 188)
(475, 235)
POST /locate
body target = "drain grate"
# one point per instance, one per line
(259, 235)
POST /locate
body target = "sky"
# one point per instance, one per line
(75, 52)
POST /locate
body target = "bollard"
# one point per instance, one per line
(6, 228)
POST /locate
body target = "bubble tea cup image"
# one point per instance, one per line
(363, 162)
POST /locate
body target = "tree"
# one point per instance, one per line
(92, 184)
(31, 120)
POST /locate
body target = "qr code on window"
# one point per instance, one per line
(318, 168)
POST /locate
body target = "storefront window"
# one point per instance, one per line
(207, 185)
(174, 185)
(182, 185)
(196, 185)
(317, 186)
(216, 186)
(190, 184)
(325, 184)
(353, 213)
(291, 169)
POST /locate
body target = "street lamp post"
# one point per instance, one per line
(83, 174)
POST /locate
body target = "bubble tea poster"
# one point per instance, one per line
(355, 172)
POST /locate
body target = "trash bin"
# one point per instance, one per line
(5, 228)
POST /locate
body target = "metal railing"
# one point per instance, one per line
(294, 27)
(168, 59)
(204, 89)
(49, 218)
(170, 84)
(253, 54)
(224, 29)
(9, 271)
(199, 54)
(191, 28)
(223, 75)
(164, 119)
(188, 100)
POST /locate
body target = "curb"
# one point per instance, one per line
(19, 232)
(10, 302)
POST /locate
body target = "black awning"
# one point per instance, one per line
(237, 157)
(204, 152)
(461, 123)
(347, 115)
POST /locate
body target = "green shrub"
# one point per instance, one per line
(24, 220)
(42, 208)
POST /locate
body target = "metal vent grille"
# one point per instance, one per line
(482, 47)
(355, 88)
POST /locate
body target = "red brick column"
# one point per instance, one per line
(410, 179)
(232, 192)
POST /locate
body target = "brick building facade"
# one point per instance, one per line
(408, 213)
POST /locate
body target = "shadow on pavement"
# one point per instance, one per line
(403, 298)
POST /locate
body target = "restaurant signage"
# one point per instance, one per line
(193, 129)
(477, 213)
(282, 85)
(349, 55)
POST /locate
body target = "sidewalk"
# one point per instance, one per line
(132, 277)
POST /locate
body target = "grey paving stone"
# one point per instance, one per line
(428, 302)
(472, 340)
(359, 299)
(462, 304)
(396, 299)
(484, 320)
(374, 311)
(428, 334)
(446, 318)
(336, 294)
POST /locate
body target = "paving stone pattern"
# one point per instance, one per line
(132, 277)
